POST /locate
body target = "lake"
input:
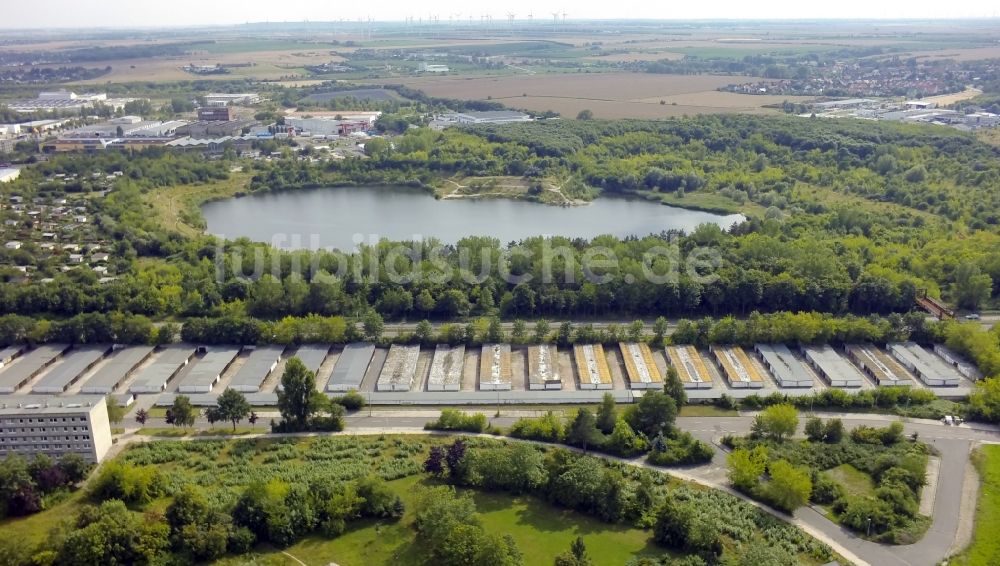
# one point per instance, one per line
(342, 217)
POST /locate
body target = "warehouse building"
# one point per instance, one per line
(72, 367)
(55, 426)
(351, 366)
(543, 368)
(690, 367)
(399, 370)
(219, 99)
(255, 369)
(118, 368)
(446, 368)
(494, 368)
(640, 368)
(216, 114)
(155, 377)
(832, 367)
(208, 370)
(786, 369)
(932, 370)
(592, 366)
(19, 373)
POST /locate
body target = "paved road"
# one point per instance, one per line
(953, 442)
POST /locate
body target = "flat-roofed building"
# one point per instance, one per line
(737, 368)
(400, 368)
(312, 356)
(494, 368)
(70, 369)
(155, 377)
(964, 367)
(351, 367)
(832, 367)
(216, 114)
(221, 99)
(55, 426)
(446, 368)
(116, 370)
(8, 354)
(592, 366)
(255, 369)
(786, 369)
(690, 367)
(932, 370)
(543, 367)
(640, 368)
(24, 369)
(883, 370)
(208, 370)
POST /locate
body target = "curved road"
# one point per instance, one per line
(953, 502)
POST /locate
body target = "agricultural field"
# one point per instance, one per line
(607, 95)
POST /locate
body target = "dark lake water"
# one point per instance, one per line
(344, 216)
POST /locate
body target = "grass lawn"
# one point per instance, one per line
(985, 547)
(855, 482)
(541, 531)
(176, 207)
(706, 411)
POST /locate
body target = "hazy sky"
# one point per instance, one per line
(118, 13)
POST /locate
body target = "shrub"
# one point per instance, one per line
(547, 428)
(452, 419)
(682, 449)
(351, 401)
(825, 490)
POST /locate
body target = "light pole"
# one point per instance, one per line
(869, 529)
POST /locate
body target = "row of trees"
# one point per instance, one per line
(25, 485)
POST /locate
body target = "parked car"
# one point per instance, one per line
(973, 316)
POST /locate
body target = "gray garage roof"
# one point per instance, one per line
(19, 373)
(787, 370)
(312, 355)
(116, 370)
(351, 367)
(72, 366)
(207, 371)
(154, 377)
(256, 368)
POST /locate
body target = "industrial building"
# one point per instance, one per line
(489, 117)
(883, 370)
(932, 370)
(208, 370)
(640, 368)
(592, 366)
(255, 369)
(326, 126)
(154, 377)
(737, 368)
(216, 114)
(786, 369)
(25, 368)
(219, 99)
(112, 375)
(72, 367)
(351, 367)
(494, 368)
(832, 367)
(543, 368)
(55, 426)
(399, 370)
(964, 367)
(690, 367)
(214, 129)
(446, 368)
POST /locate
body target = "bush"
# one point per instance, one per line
(682, 449)
(825, 490)
(452, 419)
(547, 428)
(351, 401)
